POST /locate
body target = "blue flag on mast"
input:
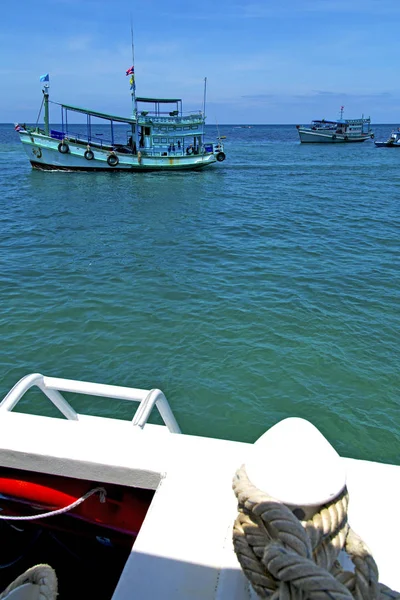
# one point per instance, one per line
(44, 77)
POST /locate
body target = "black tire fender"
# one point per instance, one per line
(113, 160)
(63, 147)
(89, 154)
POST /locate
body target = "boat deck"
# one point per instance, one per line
(184, 548)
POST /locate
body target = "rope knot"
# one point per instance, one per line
(288, 558)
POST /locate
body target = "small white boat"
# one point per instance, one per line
(393, 141)
(336, 132)
(158, 136)
(99, 507)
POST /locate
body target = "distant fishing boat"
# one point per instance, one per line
(157, 136)
(392, 142)
(340, 131)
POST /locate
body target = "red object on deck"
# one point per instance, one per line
(124, 508)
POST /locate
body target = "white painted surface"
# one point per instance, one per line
(279, 464)
(374, 492)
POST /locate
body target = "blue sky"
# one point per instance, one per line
(268, 61)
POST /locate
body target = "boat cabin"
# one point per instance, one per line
(163, 129)
(343, 126)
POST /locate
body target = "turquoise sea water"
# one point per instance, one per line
(265, 287)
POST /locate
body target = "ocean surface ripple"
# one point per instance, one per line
(265, 287)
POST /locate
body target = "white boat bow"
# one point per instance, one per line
(184, 548)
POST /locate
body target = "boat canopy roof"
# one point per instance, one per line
(343, 121)
(119, 119)
(325, 121)
(159, 100)
(95, 113)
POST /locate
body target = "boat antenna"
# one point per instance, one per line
(216, 122)
(204, 98)
(341, 112)
(204, 106)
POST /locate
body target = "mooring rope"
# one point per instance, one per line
(41, 575)
(100, 490)
(288, 558)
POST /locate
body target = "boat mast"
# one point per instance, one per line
(46, 88)
(133, 92)
(341, 112)
(132, 78)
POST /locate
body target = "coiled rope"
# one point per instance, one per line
(287, 558)
(41, 575)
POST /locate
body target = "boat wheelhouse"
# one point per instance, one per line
(158, 136)
(340, 131)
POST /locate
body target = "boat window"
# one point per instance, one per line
(164, 140)
(186, 128)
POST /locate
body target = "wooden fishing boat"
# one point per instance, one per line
(336, 132)
(157, 136)
(100, 507)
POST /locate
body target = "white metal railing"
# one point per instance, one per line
(52, 386)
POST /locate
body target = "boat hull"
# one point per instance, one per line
(307, 136)
(44, 154)
(387, 145)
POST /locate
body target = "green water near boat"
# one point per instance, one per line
(264, 287)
